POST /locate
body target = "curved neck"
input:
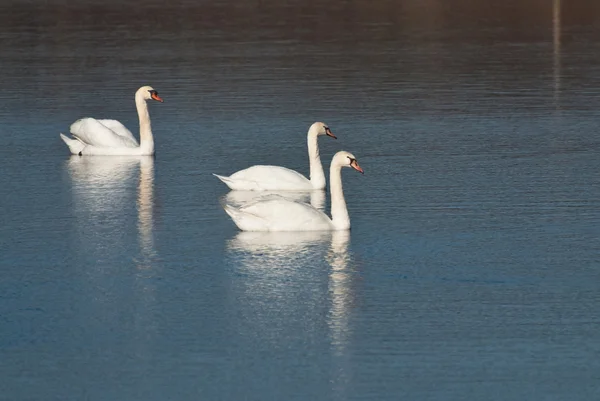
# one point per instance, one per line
(339, 211)
(317, 175)
(146, 138)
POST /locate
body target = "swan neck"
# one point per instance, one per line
(317, 175)
(339, 211)
(146, 138)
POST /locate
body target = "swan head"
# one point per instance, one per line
(346, 159)
(319, 129)
(147, 93)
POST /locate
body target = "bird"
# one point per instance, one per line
(110, 137)
(276, 178)
(283, 214)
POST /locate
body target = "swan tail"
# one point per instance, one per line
(239, 185)
(75, 145)
(228, 181)
(234, 213)
(245, 221)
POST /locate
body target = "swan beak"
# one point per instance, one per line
(355, 166)
(155, 96)
(329, 133)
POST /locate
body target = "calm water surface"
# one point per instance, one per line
(472, 270)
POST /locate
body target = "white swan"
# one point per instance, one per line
(287, 215)
(276, 178)
(110, 137)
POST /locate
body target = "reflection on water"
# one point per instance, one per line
(342, 296)
(103, 195)
(95, 178)
(240, 198)
(266, 250)
(284, 290)
(479, 227)
(339, 288)
(279, 289)
(108, 204)
(145, 205)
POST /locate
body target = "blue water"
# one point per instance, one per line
(472, 270)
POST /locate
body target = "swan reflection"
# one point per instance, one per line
(267, 250)
(240, 198)
(279, 284)
(108, 200)
(103, 196)
(145, 207)
(285, 279)
(340, 279)
(95, 177)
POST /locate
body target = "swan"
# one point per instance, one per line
(283, 214)
(276, 178)
(110, 137)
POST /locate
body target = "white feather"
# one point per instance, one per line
(110, 137)
(283, 214)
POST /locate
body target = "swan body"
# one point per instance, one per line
(110, 137)
(283, 214)
(276, 178)
(239, 199)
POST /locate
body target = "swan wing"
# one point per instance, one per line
(279, 214)
(92, 132)
(242, 198)
(118, 129)
(267, 178)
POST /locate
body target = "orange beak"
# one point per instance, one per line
(156, 97)
(355, 166)
(329, 133)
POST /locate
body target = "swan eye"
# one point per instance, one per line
(351, 160)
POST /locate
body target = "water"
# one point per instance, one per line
(472, 268)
